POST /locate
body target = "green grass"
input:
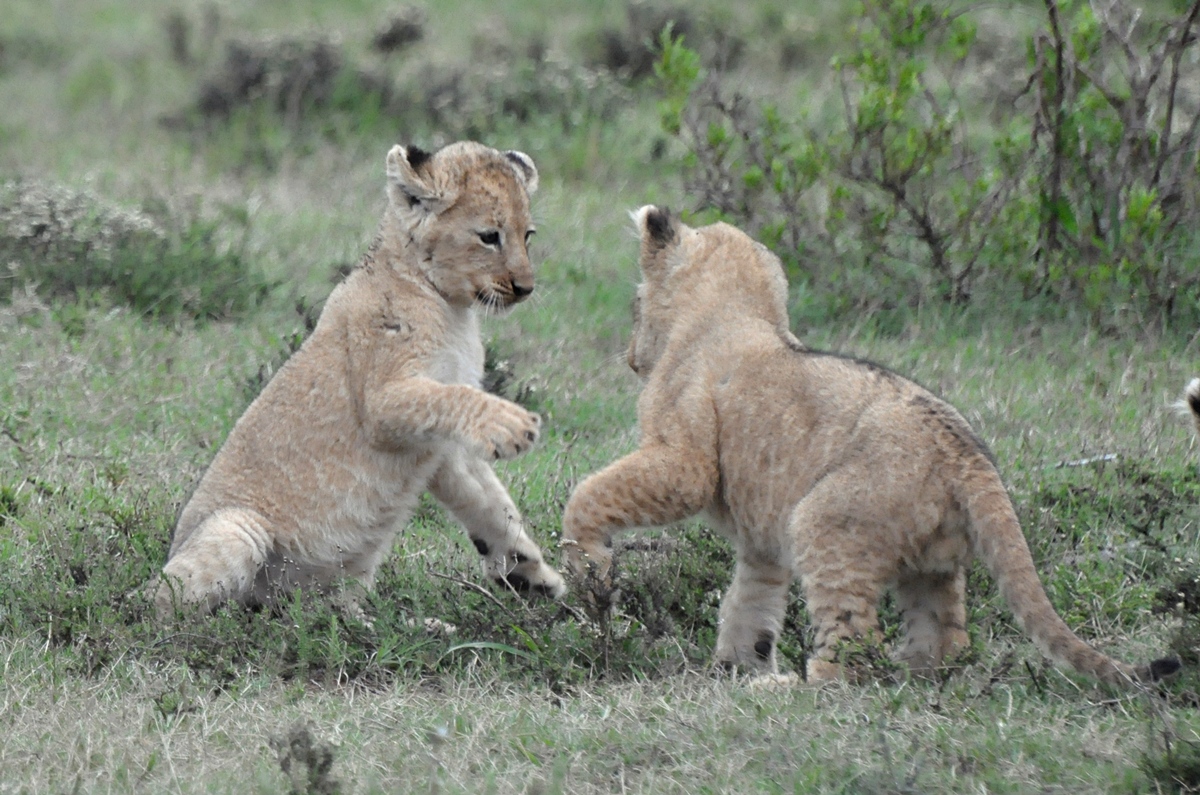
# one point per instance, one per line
(109, 414)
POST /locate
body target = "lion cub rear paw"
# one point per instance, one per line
(509, 430)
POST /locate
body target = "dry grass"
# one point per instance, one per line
(140, 729)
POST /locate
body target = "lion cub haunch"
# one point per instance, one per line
(818, 467)
(380, 404)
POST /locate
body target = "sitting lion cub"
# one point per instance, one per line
(381, 403)
(815, 466)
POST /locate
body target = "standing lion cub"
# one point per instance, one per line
(815, 466)
(380, 404)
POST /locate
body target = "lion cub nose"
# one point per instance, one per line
(521, 290)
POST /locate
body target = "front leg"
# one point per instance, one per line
(752, 615)
(470, 490)
(418, 408)
(655, 485)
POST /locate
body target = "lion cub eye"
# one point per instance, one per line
(490, 238)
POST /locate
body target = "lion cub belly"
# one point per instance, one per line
(348, 540)
(354, 499)
(354, 517)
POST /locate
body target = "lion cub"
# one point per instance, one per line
(381, 403)
(815, 466)
(1190, 404)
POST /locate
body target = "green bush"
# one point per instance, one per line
(1081, 188)
(1116, 176)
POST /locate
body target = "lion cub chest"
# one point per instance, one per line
(459, 359)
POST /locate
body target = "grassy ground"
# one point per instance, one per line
(108, 416)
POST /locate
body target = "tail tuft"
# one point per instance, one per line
(1162, 668)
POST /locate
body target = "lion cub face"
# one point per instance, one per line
(466, 209)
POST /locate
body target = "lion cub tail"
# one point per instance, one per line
(999, 542)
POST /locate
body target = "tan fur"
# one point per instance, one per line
(381, 403)
(835, 471)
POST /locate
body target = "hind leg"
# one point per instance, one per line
(841, 613)
(752, 615)
(219, 561)
(934, 610)
(843, 564)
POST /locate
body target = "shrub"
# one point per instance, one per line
(73, 245)
(1115, 137)
(471, 101)
(267, 91)
(1079, 187)
(899, 184)
(404, 28)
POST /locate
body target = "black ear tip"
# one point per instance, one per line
(659, 224)
(416, 156)
(521, 161)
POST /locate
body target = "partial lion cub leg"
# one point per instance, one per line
(752, 616)
(842, 570)
(414, 407)
(470, 490)
(652, 486)
(935, 618)
(218, 561)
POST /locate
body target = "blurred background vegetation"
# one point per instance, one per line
(1030, 157)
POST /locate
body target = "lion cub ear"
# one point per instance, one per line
(656, 225)
(659, 233)
(526, 170)
(407, 189)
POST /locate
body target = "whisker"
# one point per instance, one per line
(537, 297)
(615, 359)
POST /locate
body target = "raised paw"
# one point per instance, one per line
(509, 430)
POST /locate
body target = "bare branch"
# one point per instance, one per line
(1050, 237)
(471, 586)
(1176, 48)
